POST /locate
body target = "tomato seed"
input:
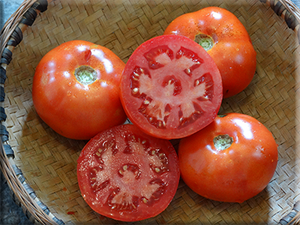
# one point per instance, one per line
(135, 90)
(157, 170)
(145, 200)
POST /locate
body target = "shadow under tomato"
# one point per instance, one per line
(200, 208)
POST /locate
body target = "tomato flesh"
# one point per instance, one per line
(127, 175)
(171, 87)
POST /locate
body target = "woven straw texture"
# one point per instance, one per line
(48, 160)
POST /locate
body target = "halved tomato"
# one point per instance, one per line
(171, 87)
(127, 175)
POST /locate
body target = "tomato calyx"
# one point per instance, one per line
(206, 41)
(85, 75)
(222, 142)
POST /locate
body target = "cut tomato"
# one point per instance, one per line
(127, 175)
(171, 87)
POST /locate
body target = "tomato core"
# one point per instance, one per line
(85, 75)
(205, 41)
(222, 142)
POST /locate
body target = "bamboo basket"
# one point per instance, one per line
(40, 165)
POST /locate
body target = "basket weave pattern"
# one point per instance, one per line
(47, 160)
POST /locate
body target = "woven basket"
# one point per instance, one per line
(40, 165)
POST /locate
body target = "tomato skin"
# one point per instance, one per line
(237, 173)
(182, 100)
(72, 109)
(232, 50)
(110, 164)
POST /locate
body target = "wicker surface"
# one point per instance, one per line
(48, 161)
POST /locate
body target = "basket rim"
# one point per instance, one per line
(10, 37)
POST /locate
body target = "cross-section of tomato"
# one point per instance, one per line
(127, 175)
(171, 87)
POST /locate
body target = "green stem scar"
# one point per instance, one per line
(205, 41)
(85, 75)
(223, 141)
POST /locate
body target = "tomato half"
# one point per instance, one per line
(76, 89)
(227, 41)
(127, 175)
(230, 160)
(171, 87)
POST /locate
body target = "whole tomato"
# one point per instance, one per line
(226, 40)
(230, 160)
(76, 89)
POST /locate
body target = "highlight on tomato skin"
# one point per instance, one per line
(171, 87)
(227, 41)
(76, 91)
(231, 160)
(127, 175)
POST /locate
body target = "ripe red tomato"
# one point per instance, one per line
(127, 175)
(171, 87)
(230, 160)
(227, 41)
(76, 89)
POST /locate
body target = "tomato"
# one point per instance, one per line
(171, 87)
(226, 40)
(127, 175)
(230, 160)
(76, 89)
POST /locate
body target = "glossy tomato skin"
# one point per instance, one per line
(127, 175)
(71, 108)
(237, 173)
(232, 48)
(171, 87)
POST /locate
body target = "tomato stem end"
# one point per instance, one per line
(85, 75)
(205, 41)
(222, 142)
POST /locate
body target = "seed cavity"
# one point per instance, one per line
(159, 164)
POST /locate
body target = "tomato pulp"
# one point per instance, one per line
(127, 175)
(230, 160)
(171, 87)
(226, 40)
(76, 89)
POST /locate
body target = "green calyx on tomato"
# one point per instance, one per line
(222, 142)
(85, 75)
(205, 41)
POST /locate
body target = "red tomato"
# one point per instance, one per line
(171, 87)
(230, 160)
(127, 175)
(76, 89)
(227, 41)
